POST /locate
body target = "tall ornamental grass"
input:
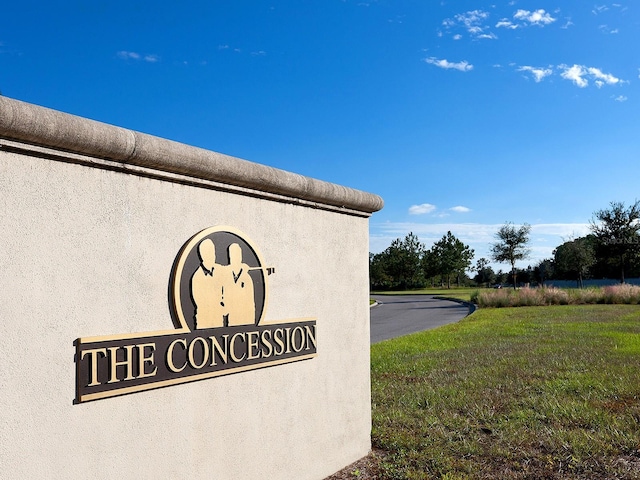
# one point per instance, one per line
(528, 297)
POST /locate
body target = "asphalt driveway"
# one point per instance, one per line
(398, 315)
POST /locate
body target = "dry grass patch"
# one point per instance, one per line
(527, 297)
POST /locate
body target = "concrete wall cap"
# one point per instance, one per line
(45, 127)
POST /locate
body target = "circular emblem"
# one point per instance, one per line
(218, 280)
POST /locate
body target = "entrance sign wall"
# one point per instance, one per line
(216, 308)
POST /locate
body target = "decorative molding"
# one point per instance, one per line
(62, 132)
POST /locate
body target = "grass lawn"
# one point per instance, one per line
(531, 392)
(462, 293)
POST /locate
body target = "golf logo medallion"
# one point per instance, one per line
(218, 291)
(219, 281)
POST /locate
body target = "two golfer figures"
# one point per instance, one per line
(223, 295)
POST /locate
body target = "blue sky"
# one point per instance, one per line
(462, 115)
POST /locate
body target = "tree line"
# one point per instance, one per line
(611, 250)
(407, 263)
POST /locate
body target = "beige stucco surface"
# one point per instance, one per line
(88, 251)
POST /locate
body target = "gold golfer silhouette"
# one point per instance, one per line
(207, 286)
(223, 295)
(239, 293)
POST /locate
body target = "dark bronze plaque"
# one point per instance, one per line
(217, 297)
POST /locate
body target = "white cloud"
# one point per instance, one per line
(125, 55)
(567, 24)
(129, 55)
(620, 98)
(538, 73)
(599, 9)
(538, 17)
(562, 230)
(606, 30)
(579, 74)
(473, 18)
(457, 37)
(605, 77)
(460, 209)
(463, 66)
(239, 50)
(421, 209)
(474, 22)
(506, 23)
(447, 22)
(428, 233)
(479, 232)
(525, 18)
(575, 74)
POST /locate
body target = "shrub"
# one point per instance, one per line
(474, 296)
(585, 296)
(494, 298)
(555, 296)
(629, 294)
(526, 297)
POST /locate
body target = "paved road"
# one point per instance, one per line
(399, 315)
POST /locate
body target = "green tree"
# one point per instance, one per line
(430, 266)
(574, 258)
(399, 266)
(544, 270)
(481, 263)
(525, 275)
(511, 246)
(484, 273)
(452, 257)
(617, 230)
(378, 277)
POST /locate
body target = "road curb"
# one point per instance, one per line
(470, 305)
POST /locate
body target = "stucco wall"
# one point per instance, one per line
(87, 245)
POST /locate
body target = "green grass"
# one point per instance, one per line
(462, 293)
(532, 392)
